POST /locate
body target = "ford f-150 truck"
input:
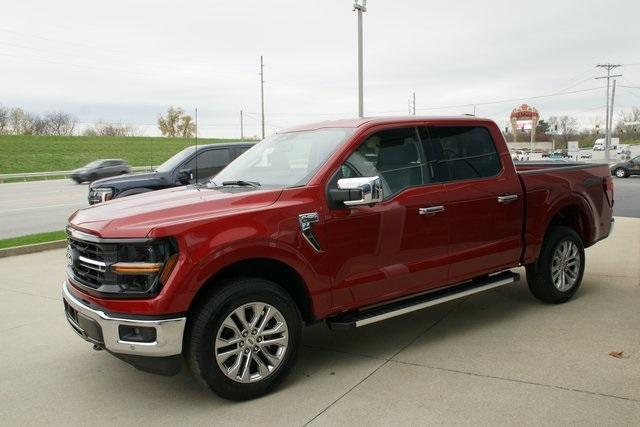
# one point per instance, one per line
(349, 222)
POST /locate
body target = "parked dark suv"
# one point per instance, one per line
(100, 169)
(626, 169)
(178, 170)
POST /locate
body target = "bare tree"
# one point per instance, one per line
(628, 123)
(175, 123)
(60, 124)
(4, 120)
(564, 125)
(38, 126)
(186, 127)
(19, 121)
(111, 129)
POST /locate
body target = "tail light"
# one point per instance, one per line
(607, 186)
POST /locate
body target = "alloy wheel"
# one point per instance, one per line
(565, 265)
(251, 342)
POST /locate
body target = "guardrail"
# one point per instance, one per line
(46, 175)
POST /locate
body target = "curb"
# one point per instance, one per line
(30, 249)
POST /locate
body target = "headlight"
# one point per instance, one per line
(121, 268)
(144, 267)
(103, 194)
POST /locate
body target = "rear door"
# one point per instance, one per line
(634, 165)
(484, 201)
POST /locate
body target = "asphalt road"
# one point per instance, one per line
(36, 207)
(627, 196)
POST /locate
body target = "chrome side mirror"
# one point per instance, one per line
(361, 190)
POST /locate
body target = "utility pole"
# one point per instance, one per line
(262, 93)
(360, 8)
(241, 127)
(613, 98)
(414, 103)
(607, 140)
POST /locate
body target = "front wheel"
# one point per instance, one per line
(557, 274)
(621, 173)
(244, 339)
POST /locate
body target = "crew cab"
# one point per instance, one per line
(195, 163)
(348, 222)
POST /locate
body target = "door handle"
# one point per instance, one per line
(508, 198)
(431, 210)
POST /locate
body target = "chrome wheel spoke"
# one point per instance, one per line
(251, 342)
(565, 265)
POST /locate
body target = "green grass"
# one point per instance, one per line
(25, 153)
(32, 238)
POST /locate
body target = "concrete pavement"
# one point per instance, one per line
(498, 358)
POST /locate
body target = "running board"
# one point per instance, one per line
(408, 305)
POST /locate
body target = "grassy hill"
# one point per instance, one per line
(24, 153)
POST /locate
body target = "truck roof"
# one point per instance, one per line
(372, 121)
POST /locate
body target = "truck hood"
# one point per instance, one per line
(166, 212)
(130, 179)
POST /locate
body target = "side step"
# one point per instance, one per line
(404, 306)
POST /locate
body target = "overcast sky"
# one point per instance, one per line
(127, 61)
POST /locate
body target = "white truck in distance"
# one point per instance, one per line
(600, 144)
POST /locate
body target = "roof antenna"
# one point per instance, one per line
(196, 165)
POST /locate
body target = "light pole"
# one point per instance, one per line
(360, 7)
(607, 135)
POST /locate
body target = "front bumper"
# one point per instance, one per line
(110, 331)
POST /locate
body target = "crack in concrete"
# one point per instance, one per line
(386, 361)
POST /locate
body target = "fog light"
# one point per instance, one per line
(137, 333)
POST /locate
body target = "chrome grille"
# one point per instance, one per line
(88, 262)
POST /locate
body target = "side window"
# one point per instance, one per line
(395, 155)
(107, 164)
(214, 158)
(460, 152)
(210, 162)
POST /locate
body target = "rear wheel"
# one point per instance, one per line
(244, 339)
(621, 173)
(557, 274)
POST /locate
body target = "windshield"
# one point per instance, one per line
(286, 159)
(94, 164)
(174, 162)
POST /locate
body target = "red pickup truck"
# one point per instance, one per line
(350, 222)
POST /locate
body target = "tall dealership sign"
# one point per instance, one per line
(523, 118)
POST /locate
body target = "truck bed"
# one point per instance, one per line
(551, 187)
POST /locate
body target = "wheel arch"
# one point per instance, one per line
(572, 211)
(274, 270)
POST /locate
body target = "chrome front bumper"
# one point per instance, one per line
(103, 330)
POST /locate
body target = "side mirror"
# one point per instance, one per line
(185, 176)
(358, 191)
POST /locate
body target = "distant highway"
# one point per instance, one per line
(39, 206)
(36, 207)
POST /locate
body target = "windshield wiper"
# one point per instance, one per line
(242, 183)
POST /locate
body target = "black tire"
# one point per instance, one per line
(539, 274)
(621, 173)
(207, 320)
(133, 191)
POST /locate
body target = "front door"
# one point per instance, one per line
(396, 247)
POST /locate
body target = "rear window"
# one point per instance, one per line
(461, 152)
